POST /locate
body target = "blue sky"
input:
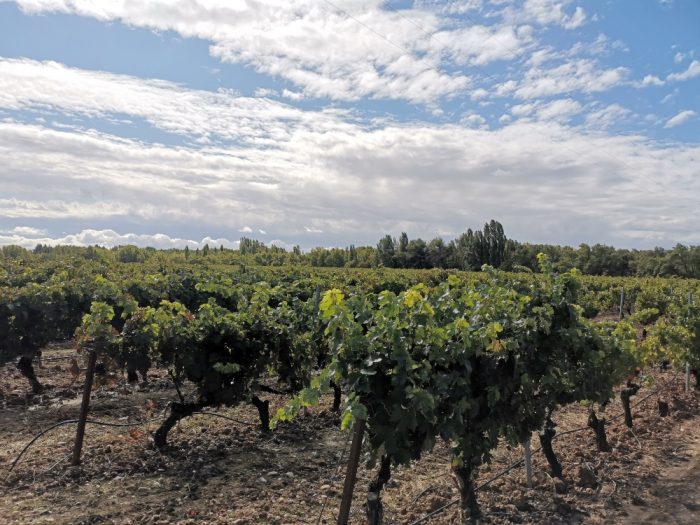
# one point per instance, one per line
(320, 122)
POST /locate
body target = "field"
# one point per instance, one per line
(226, 394)
(219, 471)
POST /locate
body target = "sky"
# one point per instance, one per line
(333, 122)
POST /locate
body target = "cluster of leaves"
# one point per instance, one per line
(467, 361)
(675, 337)
(225, 352)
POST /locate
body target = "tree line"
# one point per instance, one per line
(469, 251)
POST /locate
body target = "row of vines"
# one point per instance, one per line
(419, 356)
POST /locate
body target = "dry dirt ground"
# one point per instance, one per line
(217, 471)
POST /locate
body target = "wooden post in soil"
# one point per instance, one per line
(622, 302)
(351, 474)
(687, 365)
(317, 299)
(528, 462)
(84, 407)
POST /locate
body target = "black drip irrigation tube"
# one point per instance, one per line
(108, 424)
(68, 422)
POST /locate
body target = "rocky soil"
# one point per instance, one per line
(227, 471)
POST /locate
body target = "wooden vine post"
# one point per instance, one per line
(358, 432)
(622, 303)
(687, 377)
(84, 408)
(687, 364)
(317, 299)
(528, 462)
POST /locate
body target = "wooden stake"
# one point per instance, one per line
(317, 299)
(84, 407)
(528, 462)
(622, 302)
(687, 365)
(351, 474)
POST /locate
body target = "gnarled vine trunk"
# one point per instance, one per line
(598, 426)
(337, 396)
(546, 436)
(178, 411)
(469, 506)
(264, 412)
(373, 506)
(625, 395)
(24, 365)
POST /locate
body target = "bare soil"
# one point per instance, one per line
(217, 471)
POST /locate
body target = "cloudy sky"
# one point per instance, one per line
(329, 122)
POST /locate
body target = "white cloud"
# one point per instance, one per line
(246, 229)
(574, 75)
(680, 118)
(605, 117)
(451, 7)
(559, 110)
(356, 182)
(110, 238)
(25, 230)
(679, 57)
(266, 92)
(652, 80)
(281, 244)
(480, 44)
(692, 72)
(292, 95)
(522, 110)
(312, 230)
(474, 120)
(49, 86)
(283, 169)
(669, 97)
(356, 51)
(547, 12)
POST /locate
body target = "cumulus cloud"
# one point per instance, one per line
(692, 72)
(545, 12)
(333, 176)
(559, 110)
(348, 50)
(451, 7)
(651, 80)
(266, 92)
(474, 120)
(25, 230)
(357, 181)
(47, 86)
(605, 117)
(110, 238)
(580, 74)
(680, 118)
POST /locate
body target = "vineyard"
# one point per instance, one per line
(169, 391)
